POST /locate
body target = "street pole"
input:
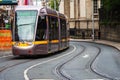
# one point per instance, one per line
(46, 3)
(36, 2)
(55, 4)
(93, 35)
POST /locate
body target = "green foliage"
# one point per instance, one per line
(110, 12)
(110, 4)
(107, 4)
(54, 4)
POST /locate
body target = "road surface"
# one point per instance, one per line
(81, 61)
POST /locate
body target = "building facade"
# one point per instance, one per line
(5, 16)
(83, 17)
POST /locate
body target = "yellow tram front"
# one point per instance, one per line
(24, 32)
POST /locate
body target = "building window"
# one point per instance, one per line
(72, 9)
(95, 6)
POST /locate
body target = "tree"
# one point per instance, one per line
(110, 4)
(111, 10)
(54, 4)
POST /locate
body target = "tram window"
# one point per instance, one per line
(25, 25)
(53, 28)
(41, 29)
(63, 28)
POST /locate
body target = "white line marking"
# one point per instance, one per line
(42, 79)
(26, 71)
(93, 79)
(86, 56)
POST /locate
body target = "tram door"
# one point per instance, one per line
(53, 34)
(41, 34)
(63, 33)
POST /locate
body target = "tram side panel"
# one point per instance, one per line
(53, 34)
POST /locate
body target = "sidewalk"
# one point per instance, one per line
(111, 43)
(5, 53)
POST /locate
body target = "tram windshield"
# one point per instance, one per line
(25, 22)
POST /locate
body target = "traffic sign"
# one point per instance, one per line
(8, 2)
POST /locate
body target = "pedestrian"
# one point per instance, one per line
(7, 25)
(83, 35)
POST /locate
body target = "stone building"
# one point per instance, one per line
(83, 17)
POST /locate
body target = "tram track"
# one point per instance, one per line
(58, 69)
(14, 61)
(92, 62)
(46, 61)
(6, 67)
(64, 76)
(99, 51)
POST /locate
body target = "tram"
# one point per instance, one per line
(39, 31)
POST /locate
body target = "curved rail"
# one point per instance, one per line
(58, 68)
(93, 62)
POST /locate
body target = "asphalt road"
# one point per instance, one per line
(81, 61)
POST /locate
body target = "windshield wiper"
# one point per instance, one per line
(24, 40)
(24, 24)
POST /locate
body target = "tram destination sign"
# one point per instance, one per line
(8, 2)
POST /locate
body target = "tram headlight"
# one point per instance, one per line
(16, 44)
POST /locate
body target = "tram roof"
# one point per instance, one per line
(49, 11)
(39, 8)
(27, 7)
(42, 10)
(62, 15)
